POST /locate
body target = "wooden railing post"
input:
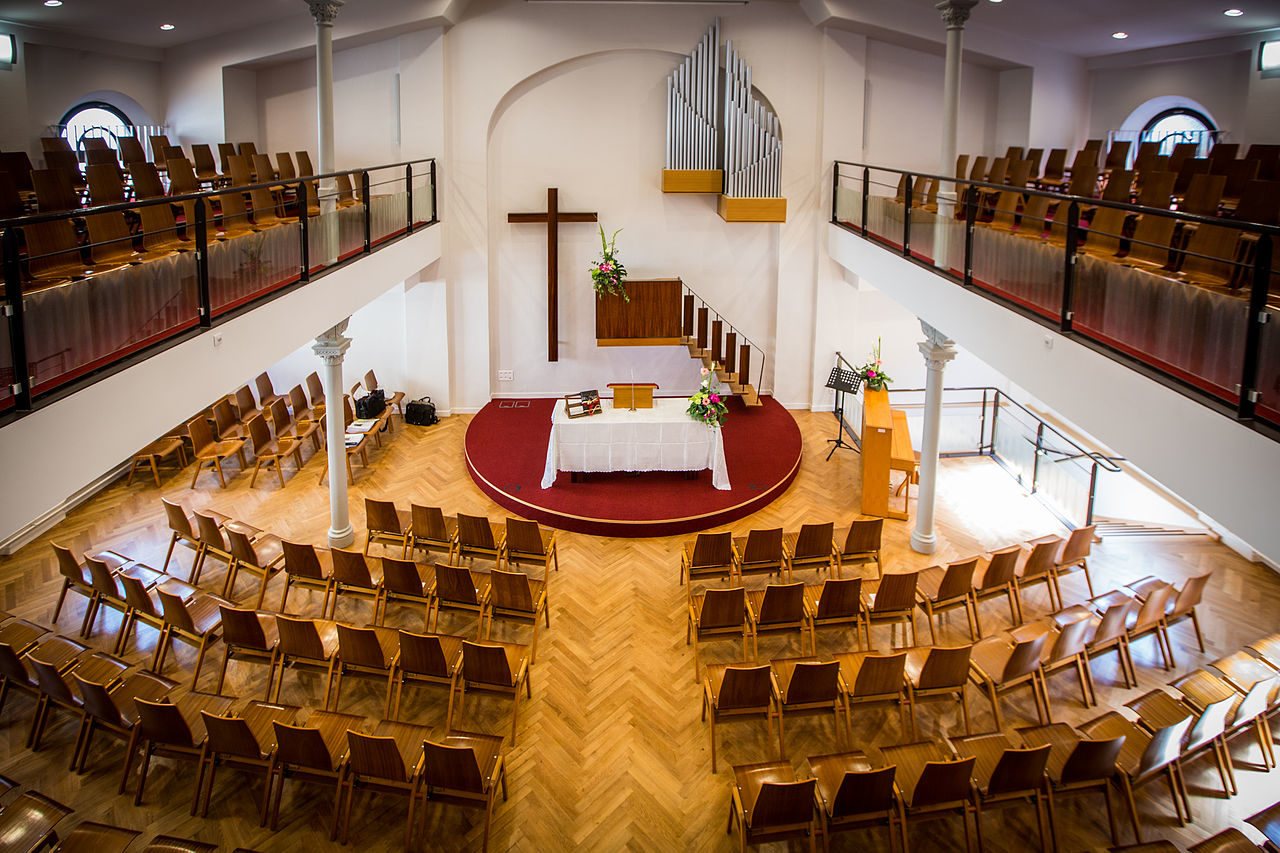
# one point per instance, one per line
(717, 335)
(686, 321)
(744, 365)
(731, 353)
(702, 327)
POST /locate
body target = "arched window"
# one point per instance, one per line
(1180, 124)
(93, 118)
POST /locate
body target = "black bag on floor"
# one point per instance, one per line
(421, 412)
(371, 404)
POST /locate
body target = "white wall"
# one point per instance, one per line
(1220, 83)
(1164, 433)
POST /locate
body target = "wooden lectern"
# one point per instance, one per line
(633, 395)
(886, 446)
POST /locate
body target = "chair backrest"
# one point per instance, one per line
(146, 180)
(300, 638)
(11, 666)
(401, 576)
(1079, 544)
(945, 667)
(814, 541)
(175, 611)
(305, 169)
(1092, 759)
(301, 746)
(723, 607)
(97, 701)
(1165, 746)
(104, 582)
(224, 418)
(298, 400)
(315, 389)
(381, 516)
(241, 169)
(428, 522)
(245, 401)
(485, 664)
(1119, 186)
(203, 155)
(1019, 770)
(280, 417)
(1211, 723)
(1034, 156)
(423, 654)
(897, 591)
(783, 602)
(813, 681)
(745, 687)
(763, 546)
(230, 736)
(1025, 658)
(262, 168)
(50, 681)
(880, 674)
(712, 549)
(782, 804)
(1113, 622)
(840, 597)
(259, 434)
(350, 567)
(864, 536)
(958, 579)
(135, 593)
(1152, 610)
(452, 768)
(360, 647)
(1071, 640)
(1190, 594)
(524, 537)
(242, 628)
(474, 531)
(1056, 164)
(201, 434)
(284, 165)
(67, 565)
(943, 782)
(454, 583)
(241, 548)
(864, 791)
(379, 757)
(1041, 559)
(177, 518)
(263, 383)
(162, 722)
(1117, 154)
(300, 559)
(510, 590)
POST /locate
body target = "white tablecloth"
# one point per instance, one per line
(663, 438)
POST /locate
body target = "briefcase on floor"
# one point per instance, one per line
(421, 412)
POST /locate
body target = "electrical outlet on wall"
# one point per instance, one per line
(506, 375)
(217, 339)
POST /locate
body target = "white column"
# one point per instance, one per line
(954, 15)
(331, 346)
(325, 11)
(937, 350)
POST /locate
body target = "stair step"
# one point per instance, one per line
(749, 396)
(1115, 527)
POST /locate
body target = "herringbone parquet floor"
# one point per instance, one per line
(611, 753)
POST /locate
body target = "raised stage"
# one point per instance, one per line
(506, 448)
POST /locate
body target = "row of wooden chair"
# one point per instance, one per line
(514, 542)
(774, 551)
(30, 820)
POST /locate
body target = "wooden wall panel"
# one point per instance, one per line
(651, 318)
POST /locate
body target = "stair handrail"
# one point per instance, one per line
(734, 329)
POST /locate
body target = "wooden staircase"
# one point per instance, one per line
(718, 350)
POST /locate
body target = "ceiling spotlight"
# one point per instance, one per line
(997, 1)
(166, 27)
(1119, 35)
(1233, 13)
(52, 3)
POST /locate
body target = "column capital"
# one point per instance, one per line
(937, 348)
(956, 12)
(331, 345)
(324, 11)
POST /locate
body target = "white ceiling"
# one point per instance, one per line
(1081, 27)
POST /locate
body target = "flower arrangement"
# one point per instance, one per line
(608, 275)
(873, 375)
(706, 405)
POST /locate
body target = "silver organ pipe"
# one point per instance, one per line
(752, 138)
(692, 120)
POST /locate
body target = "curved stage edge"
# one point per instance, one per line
(506, 449)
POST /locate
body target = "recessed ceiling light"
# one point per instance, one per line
(166, 26)
(53, 2)
(1119, 35)
(1234, 13)
(997, 1)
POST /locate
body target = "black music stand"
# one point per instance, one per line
(842, 381)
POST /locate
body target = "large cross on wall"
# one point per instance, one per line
(552, 217)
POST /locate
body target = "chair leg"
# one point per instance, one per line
(62, 596)
(1133, 808)
(1195, 622)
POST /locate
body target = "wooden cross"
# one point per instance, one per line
(553, 217)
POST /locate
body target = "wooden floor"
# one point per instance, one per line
(612, 754)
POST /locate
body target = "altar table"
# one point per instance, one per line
(663, 438)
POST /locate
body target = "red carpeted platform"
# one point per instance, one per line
(506, 447)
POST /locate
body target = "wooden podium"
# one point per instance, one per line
(886, 446)
(633, 395)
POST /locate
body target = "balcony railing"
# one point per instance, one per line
(69, 321)
(1196, 320)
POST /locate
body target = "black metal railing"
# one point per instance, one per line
(729, 347)
(1179, 308)
(76, 310)
(985, 421)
